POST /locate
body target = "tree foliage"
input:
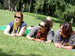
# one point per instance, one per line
(56, 8)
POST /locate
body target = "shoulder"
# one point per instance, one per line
(11, 23)
(50, 31)
(33, 31)
(72, 37)
(36, 28)
(72, 40)
(57, 32)
(23, 24)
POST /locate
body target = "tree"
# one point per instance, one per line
(38, 5)
(9, 4)
(1, 2)
(70, 12)
(30, 5)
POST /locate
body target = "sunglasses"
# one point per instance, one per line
(17, 17)
(41, 26)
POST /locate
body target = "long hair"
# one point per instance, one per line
(66, 28)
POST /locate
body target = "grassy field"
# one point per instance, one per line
(20, 46)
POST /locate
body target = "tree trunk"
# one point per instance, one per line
(37, 11)
(30, 5)
(2, 3)
(71, 20)
(24, 5)
(14, 7)
(9, 4)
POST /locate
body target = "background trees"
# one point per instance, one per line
(63, 9)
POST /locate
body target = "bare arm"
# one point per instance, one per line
(33, 39)
(22, 31)
(6, 31)
(61, 46)
(37, 39)
(57, 45)
(67, 47)
(29, 37)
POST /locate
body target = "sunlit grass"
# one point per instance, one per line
(20, 46)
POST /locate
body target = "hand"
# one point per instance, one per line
(42, 41)
(60, 46)
(38, 40)
(33, 39)
(12, 34)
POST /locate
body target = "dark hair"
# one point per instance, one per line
(47, 24)
(66, 28)
(32, 26)
(51, 23)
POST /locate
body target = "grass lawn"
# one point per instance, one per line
(20, 46)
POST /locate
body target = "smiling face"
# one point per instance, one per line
(42, 27)
(65, 29)
(18, 17)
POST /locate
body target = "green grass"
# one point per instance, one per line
(20, 46)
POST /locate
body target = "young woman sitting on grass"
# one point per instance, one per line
(16, 27)
(65, 37)
(41, 33)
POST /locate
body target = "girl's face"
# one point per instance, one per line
(61, 31)
(42, 27)
(17, 18)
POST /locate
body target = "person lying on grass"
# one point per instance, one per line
(41, 33)
(16, 27)
(65, 37)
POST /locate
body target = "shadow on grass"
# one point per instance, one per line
(54, 20)
(57, 21)
(4, 54)
(42, 17)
